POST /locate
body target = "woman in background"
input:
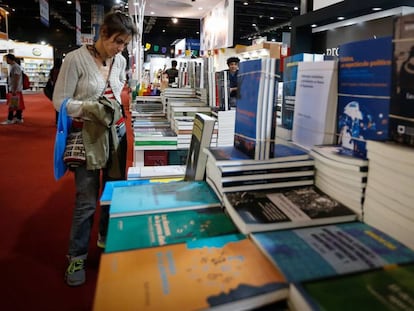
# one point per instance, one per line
(88, 73)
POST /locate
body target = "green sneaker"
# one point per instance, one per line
(101, 242)
(75, 273)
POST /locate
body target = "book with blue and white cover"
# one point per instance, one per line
(364, 92)
(331, 250)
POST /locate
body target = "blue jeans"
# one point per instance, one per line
(87, 183)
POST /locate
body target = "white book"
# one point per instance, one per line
(315, 105)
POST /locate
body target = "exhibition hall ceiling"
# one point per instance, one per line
(252, 18)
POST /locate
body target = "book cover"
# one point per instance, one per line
(390, 288)
(364, 92)
(155, 157)
(315, 104)
(226, 156)
(261, 168)
(276, 209)
(108, 190)
(290, 73)
(218, 273)
(330, 250)
(402, 100)
(253, 171)
(162, 197)
(261, 185)
(200, 138)
(132, 232)
(247, 130)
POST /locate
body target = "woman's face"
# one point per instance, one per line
(116, 43)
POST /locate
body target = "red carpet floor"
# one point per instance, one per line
(35, 217)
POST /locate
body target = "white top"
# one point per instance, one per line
(80, 79)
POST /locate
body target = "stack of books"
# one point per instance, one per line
(147, 106)
(179, 92)
(226, 121)
(158, 138)
(341, 174)
(182, 119)
(161, 171)
(228, 169)
(389, 194)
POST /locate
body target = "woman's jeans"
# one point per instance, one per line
(87, 183)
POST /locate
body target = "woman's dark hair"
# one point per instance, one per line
(118, 22)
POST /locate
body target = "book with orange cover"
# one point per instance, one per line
(219, 273)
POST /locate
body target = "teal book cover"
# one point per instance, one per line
(386, 289)
(131, 232)
(162, 197)
(331, 250)
(106, 196)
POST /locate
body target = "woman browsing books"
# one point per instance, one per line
(87, 74)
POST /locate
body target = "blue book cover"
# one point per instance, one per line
(331, 250)
(248, 113)
(106, 196)
(364, 92)
(162, 197)
(232, 156)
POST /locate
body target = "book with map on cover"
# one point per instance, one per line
(162, 197)
(218, 273)
(132, 232)
(276, 209)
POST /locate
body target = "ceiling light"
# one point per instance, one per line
(271, 17)
(254, 25)
(174, 20)
(68, 2)
(340, 18)
(296, 8)
(245, 3)
(313, 25)
(377, 9)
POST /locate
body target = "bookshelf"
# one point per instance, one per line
(38, 71)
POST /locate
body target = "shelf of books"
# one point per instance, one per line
(264, 220)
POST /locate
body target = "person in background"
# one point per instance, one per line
(50, 86)
(88, 73)
(15, 84)
(233, 64)
(172, 72)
